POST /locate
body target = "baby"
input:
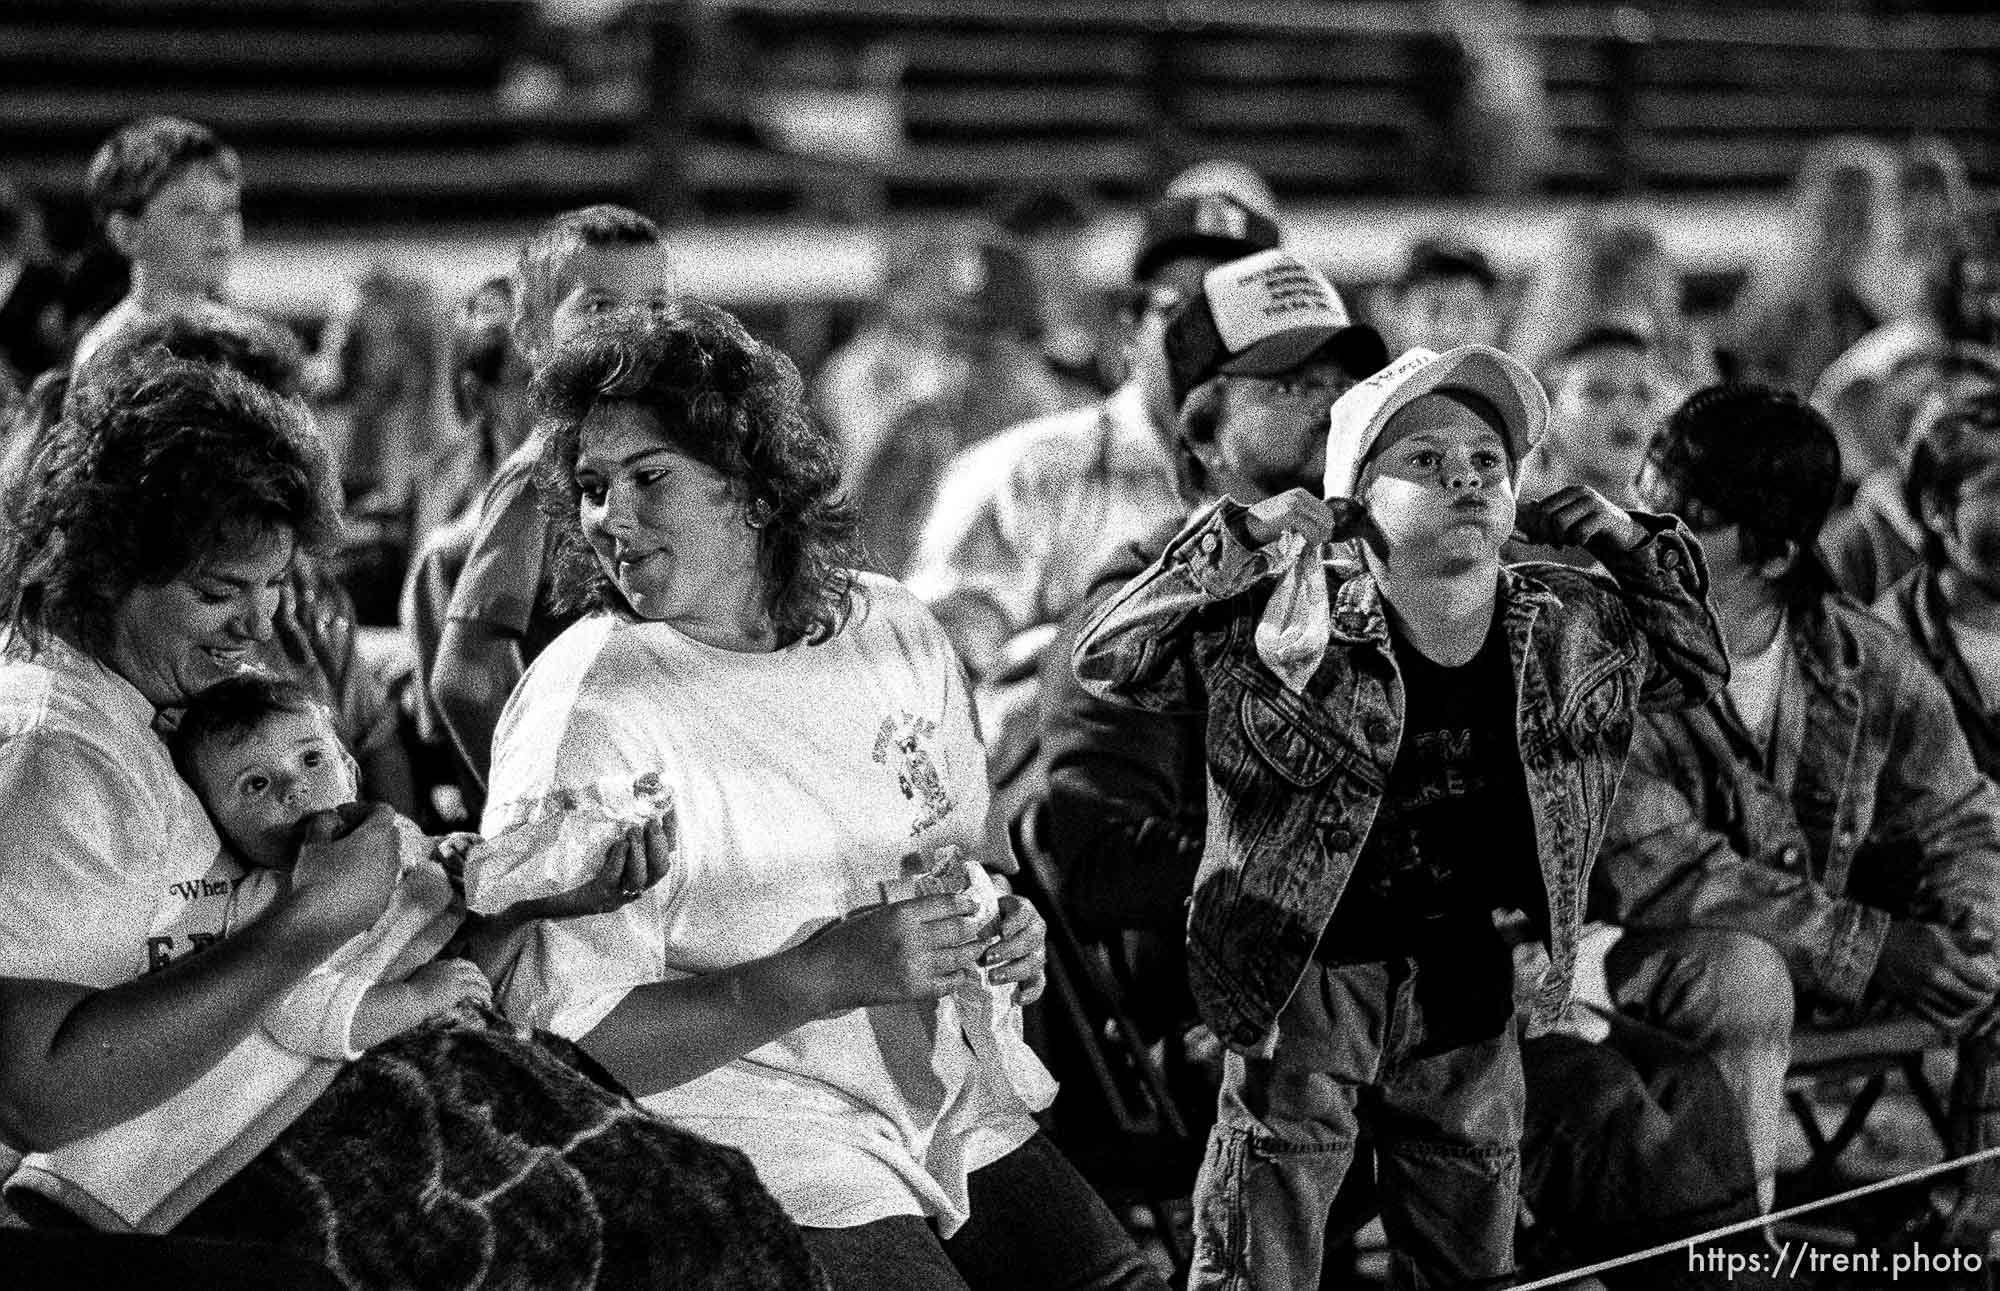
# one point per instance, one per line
(262, 756)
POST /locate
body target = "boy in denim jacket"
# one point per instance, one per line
(1397, 747)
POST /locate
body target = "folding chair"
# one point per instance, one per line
(1150, 1154)
(1872, 1052)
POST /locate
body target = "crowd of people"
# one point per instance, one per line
(519, 793)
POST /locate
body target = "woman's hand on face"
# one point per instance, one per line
(1022, 954)
(635, 861)
(347, 868)
(920, 949)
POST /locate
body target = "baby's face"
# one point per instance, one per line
(261, 787)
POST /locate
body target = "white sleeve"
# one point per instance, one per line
(73, 836)
(316, 1017)
(560, 732)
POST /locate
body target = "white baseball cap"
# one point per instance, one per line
(1263, 315)
(1494, 375)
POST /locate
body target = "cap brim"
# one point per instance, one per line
(1280, 352)
(1358, 418)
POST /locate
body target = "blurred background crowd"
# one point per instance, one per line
(823, 168)
(943, 212)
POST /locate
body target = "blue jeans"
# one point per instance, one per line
(1732, 995)
(1446, 1124)
(1036, 1225)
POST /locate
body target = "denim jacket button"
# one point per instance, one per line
(1245, 1034)
(1209, 542)
(1339, 838)
(1378, 731)
(1670, 559)
(1791, 856)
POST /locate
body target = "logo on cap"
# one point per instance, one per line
(1217, 216)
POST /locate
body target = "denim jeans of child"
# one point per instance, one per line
(1353, 1054)
(1036, 1225)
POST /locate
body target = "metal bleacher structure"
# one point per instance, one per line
(366, 123)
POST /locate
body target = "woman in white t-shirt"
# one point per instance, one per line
(137, 991)
(802, 985)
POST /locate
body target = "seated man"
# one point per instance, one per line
(1816, 841)
(1949, 606)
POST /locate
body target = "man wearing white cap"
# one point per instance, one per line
(1399, 744)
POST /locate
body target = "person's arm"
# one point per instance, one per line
(1934, 807)
(1662, 582)
(386, 776)
(388, 1009)
(478, 666)
(479, 653)
(77, 1059)
(1134, 650)
(664, 1034)
(1664, 866)
(634, 862)
(1125, 817)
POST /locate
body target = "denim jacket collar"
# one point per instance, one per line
(1358, 616)
(1828, 655)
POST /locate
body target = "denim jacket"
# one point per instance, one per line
(1915, 608)
(1865, 804)
(1295, 779)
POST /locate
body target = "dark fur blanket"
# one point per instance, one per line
(472, 1154)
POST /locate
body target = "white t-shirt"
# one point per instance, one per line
(1754, 682)
(108, 865)
(803, 781)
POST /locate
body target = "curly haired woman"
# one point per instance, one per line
(143, 562)
(790, 987)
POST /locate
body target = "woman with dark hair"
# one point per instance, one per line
(821, 979)
(144, 562)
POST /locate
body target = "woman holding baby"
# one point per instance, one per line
(140, 564)
(802, 984)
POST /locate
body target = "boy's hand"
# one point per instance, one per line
(1293, 512)
(1925, 966)
(1577, 515)
(444, 984)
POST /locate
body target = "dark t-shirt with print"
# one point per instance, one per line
(1453, 839)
